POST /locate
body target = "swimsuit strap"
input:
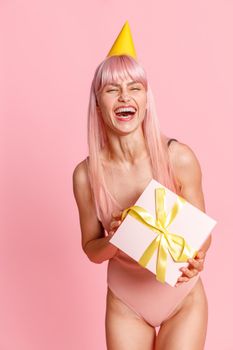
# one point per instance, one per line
(169, 141)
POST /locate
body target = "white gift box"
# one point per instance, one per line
(133, 237)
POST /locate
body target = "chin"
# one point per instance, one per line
(127, 129)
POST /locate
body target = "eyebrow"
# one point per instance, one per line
(130, 83)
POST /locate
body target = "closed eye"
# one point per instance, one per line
(117, 90)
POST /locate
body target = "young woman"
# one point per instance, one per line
(127, 150)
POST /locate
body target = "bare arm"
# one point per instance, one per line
(94, 243)
(188, 173)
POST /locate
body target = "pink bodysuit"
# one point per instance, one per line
(138, 288)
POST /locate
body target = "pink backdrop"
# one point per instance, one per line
(51, 295)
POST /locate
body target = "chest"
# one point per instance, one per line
(126, 184)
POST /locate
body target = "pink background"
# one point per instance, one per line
(51, 295)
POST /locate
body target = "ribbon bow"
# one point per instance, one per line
(164, 241)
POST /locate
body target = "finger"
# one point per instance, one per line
(189, 273)
(115, 224)
(199, 259)
(183, 279)
(178, 284)
(194, 263)
(198, 265)
(116, 214)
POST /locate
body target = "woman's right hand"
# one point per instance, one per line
(115, 223)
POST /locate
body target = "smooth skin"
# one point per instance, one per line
(186, 327)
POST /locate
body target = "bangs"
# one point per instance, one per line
(118, 68)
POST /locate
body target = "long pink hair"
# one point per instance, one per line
(116, 68)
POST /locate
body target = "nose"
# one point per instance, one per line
(124, 96)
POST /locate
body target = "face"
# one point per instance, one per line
(123, 105)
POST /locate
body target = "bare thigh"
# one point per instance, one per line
(124, 328)
(187, 327)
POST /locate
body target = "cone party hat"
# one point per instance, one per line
(123, 44)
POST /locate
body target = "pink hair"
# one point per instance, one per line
(116, 68)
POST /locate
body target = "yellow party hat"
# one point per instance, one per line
(123, 44)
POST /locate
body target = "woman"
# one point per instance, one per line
(127, 150)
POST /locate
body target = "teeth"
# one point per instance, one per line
(123, 110)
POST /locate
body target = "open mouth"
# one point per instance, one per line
(125, 115)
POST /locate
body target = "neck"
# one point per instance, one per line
(129, 148)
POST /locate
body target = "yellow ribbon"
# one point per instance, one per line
(164, 241)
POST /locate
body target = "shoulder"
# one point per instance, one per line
(184, 158)
(80, 172)
(182, 154)
(80, 180)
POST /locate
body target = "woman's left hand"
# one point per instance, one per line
(195, 266)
